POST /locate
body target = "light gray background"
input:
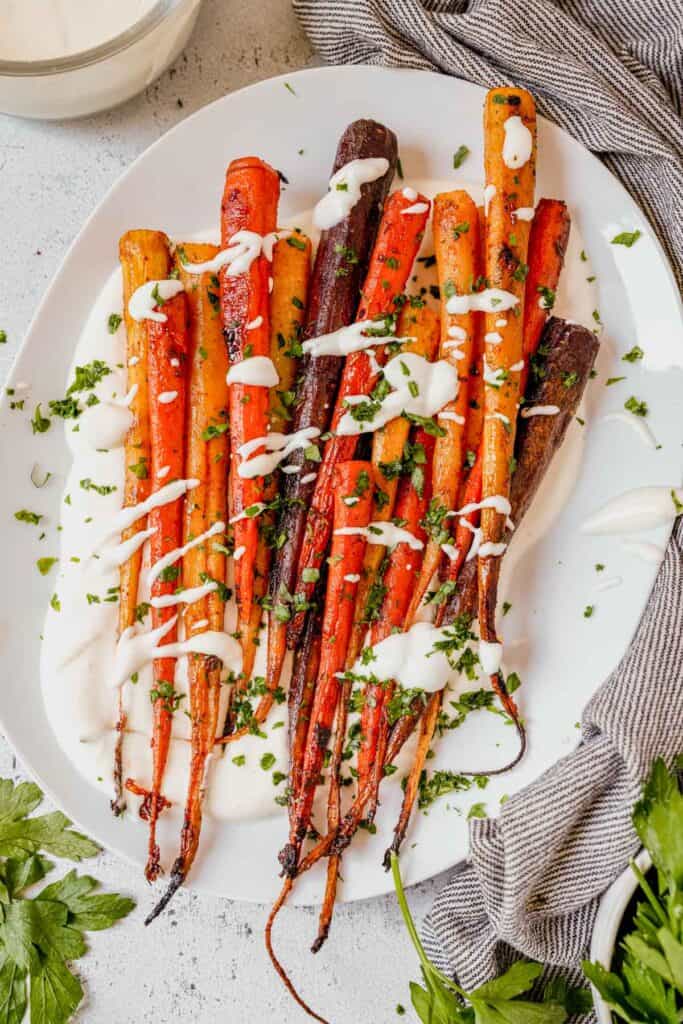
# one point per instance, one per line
(204, 961)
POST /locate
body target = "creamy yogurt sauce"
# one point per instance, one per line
(45, 29)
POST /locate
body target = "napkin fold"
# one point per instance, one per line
(611, 73)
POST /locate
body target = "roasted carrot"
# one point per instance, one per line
(340, 264)
(510, 170)
(250, 199)
(547, 246)
(144, 257)
(352, 507)
(290, 276)
(569, 349)
(167, 356)
(457, 250)
(300, 697)
(207, 462)
(391, 457)
(398, 241)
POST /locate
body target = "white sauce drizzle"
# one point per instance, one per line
(499, 416)
(518, 143)
(243, 248)
(189, 596)
(450, 551)
(383, 533)
(141, 304)
(257, 371)
(172, 556)
(452, 351)
(105, 425)
(517, 367)
(255, 510)
(609, 584)
(643, 508)
(491, 550)
(352, 577)
(435, 385)
(166, 397)
(524, 213)
(125, 517)
(636, 423)
(278, 448)
(493, 338)
(497, 501)
(290, 469)
(308, 478)
(253, 324)
(238, 552)
(411, 658)
(489, 193)
(539, 410)
(644, 550)
(163, 472)
(502, 322)
(134, 650)
(416, 208)
(112, 558)
(409, 193)
(453, 417)
(490, 656)
(348, 339)
(457, 332)
(490, 300)
(339, 202)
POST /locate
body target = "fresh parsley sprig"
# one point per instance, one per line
(40, 934)
(647, 982)
(443, 1001)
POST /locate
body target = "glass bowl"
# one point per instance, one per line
(104, 75)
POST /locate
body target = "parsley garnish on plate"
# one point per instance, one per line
(40, 934)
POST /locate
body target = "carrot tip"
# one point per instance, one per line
(178, 874)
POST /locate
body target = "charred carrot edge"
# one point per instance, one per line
(207, 461)
(547, 247)
(290, 275)
(167, 355)
(398, 241)
(388, 447)
(351, 480)
(507, 243)
(341, 260)
(456, 246)
(144, 256)
(300, 698)
(250, 199)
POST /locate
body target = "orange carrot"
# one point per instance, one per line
(397, 244)
(250, 200)
(456, 245)
(167, 354)
(207, 462)
(144, 257)
(547, 246)
(509, 124)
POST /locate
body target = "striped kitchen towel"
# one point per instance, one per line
(611, 73)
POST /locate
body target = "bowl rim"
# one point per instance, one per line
(610, 914)
(47, 66)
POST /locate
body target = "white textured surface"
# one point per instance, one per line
(204, 961)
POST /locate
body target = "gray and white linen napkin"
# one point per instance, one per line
(611, 73)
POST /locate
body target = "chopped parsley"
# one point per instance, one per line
(633, 355)
(635, 406)
(459, 157)
(627, 238)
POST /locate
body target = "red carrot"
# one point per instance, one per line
(398, 242)
(352, 507)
